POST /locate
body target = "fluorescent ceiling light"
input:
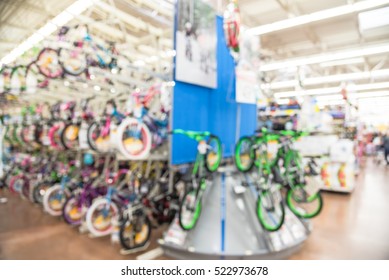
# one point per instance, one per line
(363, 95)
(337, 55)
(280, 85)
(331, 90)
(357, 60)
(329, 79)
(347, 77)
(329, 97)
(330, 102)
(50, 27)
(373, 19)
(317, 16)
(284, 101)
(354, 95)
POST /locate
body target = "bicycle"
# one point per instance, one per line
(76, 206)
(56, 196)
(288, 170)
(270, 209)
(209, 156)
(303, 196)
(139, 217)
(105, 210)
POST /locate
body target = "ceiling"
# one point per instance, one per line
(140, 28)
(143, 30)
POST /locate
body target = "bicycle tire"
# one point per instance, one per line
(124, 241)
(46, 198)
(14, 184)
(73, 142)
(22, 81)
(212, 167)
(91, 141)
(145, 142)
(89, 215)
(196, 214)
(58, 73)
(251, 157)
(297, 212)
(261, 217)
(39, 191)
(67, 216)
(66, 68)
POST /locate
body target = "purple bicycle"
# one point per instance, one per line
(77, 204)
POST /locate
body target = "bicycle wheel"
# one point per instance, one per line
(270, 210)
(214, 153)
(48, 63)
(100, 216)
(34, 79)
(25, 192)
(135, 233)
(18, 80)
(244, 154)
(304, 205)
(73, 61)
(5, 79)
(16, 183)
(133, 139)
(39, 191)
(190, 210)
(55, 136)
(93, 135)
(54, 200)
(73, 211)
(69, 136)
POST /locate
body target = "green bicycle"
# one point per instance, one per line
(304, 200)
(270, 207)
(287, 168)
(209, 156)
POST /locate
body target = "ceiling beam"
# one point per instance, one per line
(106, 29)
(17, 26)
(136, 23)
(294, 11)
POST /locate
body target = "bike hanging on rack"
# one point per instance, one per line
(287, 169)
(156, 206)
(138, 134)
(91, 187)
(56, 196)
(104, 211)
(270, 209)
(209, 156)
(303, 196)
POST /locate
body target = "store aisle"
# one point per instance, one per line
(353, 226)
(350, 227)
(27, 233)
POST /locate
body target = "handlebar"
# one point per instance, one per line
(294, 134)
(196, 135)
(276, 135)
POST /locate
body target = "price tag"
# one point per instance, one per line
(138, 111)
(83, 138)
(202, 147)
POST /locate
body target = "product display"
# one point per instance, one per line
(193, 129)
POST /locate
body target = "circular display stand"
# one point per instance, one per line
(229, 229)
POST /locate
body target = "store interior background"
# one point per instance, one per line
(296, 61)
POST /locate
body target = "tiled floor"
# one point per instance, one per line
(352, 226)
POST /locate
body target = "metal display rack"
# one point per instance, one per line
(228, 227)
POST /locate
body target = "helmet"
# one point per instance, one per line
(88, 159)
